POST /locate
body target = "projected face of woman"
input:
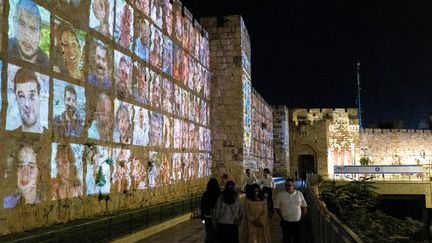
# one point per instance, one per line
(101, 12)
(63, 167)
(123, 122)
(71, 51)
(27, 169)
(125, 26)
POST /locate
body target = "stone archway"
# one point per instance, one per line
(307, 159)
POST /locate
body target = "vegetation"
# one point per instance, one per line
(354, 204)
(364, 161)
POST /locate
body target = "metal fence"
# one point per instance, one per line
(326, 227)
(111, 227)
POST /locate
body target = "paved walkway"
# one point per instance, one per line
(193, 230)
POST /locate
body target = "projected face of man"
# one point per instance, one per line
(70, 103)
(142, 83)
(101, 12)
(27, 170)
(64, 167)
(27, 95)
(71, 51)
(125, 26)
(121, 165)
(101, 63)
(104, 118)
(144, 33)
(123, 122)
(27, 27)
(123, 75)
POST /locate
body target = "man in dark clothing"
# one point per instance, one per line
(208, 202)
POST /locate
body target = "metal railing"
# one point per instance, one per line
(111, 227)
(326, 227)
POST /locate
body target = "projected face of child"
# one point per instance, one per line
(27, 172)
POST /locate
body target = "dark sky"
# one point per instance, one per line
(304, 53)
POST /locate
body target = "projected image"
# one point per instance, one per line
(22, 174)
(165, 169)
(68, 109)
(178, 21)
(123, 29)
(184, 68)
(156, 121)
(141, 126)
(193, 136)
(197, 78)
(176, 61)
(185, 103)
(141, 84)
(187, 28)
(176, 167)
(139, 176)
(27, 93)
(98, 159)
(189, 77)
(202, 165)
(143, 6)
(66, 171)
(29, 32)
(191, 108)
(102, 16)
(203, 115)
(142, 40)
(178, 98)
(167, 55)
(167, 13)
(100, 60)
(177, 127)
(156, 47)
(197, 43)
(121, 179)
(187, 166)
(156, 12)
(191, 46)
(167, 102)
(123, 74)
(1, 78)
(156, 89)
(122, 132)
(167, 132)
(102, 123)
(207, 84)
(153, 169)
(68, 53)
(185, 135)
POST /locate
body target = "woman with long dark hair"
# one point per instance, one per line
(228, 214)
(208, 202)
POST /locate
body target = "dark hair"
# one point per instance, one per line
(30, 7)
(247, 170)
(229, 194)
(24, 75)
(266, 170)
(289, 180)
(213, 185)
(71, 90)
(67, 151)
(250, 193)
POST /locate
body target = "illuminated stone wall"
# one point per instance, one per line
(280, 141)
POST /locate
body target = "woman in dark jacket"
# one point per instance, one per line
(208, 202)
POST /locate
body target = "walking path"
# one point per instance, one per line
(193, 230)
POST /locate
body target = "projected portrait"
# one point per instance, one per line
(156, 89)
(176, 61)
(191, 45)
(103, 119)
(156, 121)
(176, 167)
(185, 135)
(167, 55)
(123, 122)
(22, 171)
(177, 129)
(141, 126)
(102, 16)
(178, 21)
(191, 109)
(66, 171)
(207, 84)
(167, 101)
(27, 100)
(121, 179)
(187, 171)
(139, 175)
(141, 83)
(123, 30)
(153, 169)
(178, 98)
(185, 104)
(198, 80)
(184, 68)
(187, 29)
(165, 169)
(142, 40)
(167, 132)
(202, 165)
(123, 74)
(68, 109)
(100, 60)
(201, 138)
(68, 49)
(156, 47)
(191, 70)
(143, 6)
(193, 136)
(203, 115)
(156, 12)
(197, 102)
(29, 32)
(197, 43)
(98, 159)
(167, 15)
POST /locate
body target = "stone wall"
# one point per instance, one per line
(397, 146)
(280, 141)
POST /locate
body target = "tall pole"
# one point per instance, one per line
(359, 94)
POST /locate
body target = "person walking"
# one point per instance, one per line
(228, 214)
(291, 207)
(208, 202)
(255, 227)
(268, 186)
(249, 180)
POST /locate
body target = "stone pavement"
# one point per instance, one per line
(193, 230)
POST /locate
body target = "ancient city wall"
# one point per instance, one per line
(280, 140)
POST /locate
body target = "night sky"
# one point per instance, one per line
(304, 53)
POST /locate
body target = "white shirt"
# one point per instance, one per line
(268, 182)
(290, 204)
(249, 180)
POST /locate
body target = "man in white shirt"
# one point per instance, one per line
(268, 185)
(291, 207)
(248, 181)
